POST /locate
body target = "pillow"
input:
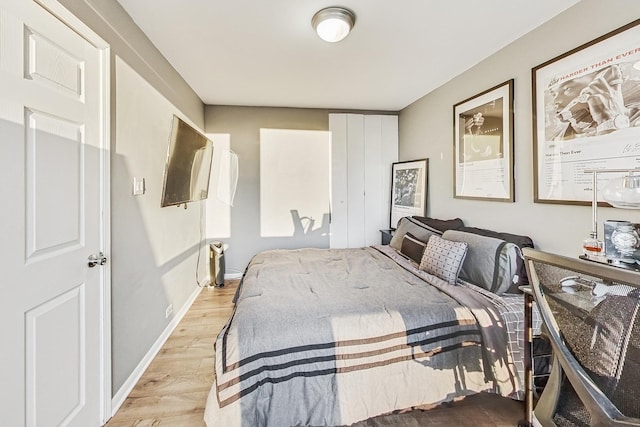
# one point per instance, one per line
(412, 248)
(443, 258)
(490, 263)
(406, 225)
(441, 225)
(521, 241)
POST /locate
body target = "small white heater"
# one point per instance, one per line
(216, 264)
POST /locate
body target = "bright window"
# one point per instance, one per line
(295, 181)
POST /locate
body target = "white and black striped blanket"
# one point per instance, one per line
(328, 337)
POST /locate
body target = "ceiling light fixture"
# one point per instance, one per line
(333, 23)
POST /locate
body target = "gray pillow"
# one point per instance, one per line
(443, 258)
(490, 263)
(406, 225)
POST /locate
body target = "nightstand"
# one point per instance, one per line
(386, 236)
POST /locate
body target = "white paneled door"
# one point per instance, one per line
(363, 149)
(53, 170)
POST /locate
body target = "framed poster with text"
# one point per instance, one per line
(483, 145)
(586, 115)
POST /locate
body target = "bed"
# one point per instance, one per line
(329, 337)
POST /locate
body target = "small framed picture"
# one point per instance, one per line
(408, 189)
(483, 145)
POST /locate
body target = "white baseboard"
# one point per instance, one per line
(119, 398)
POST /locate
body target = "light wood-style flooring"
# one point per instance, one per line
(173, 390)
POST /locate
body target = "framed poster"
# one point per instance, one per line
(408, 189)
(483, 145)
(586, 115)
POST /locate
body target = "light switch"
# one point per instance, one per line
(138, 186)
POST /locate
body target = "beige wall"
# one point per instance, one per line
(243, 124)
(426, 130)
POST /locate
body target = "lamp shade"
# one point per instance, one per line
(333, 23)
(623, 192)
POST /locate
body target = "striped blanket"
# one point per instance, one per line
(331, 337)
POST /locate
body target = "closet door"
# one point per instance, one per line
(339, 199)
(373, 185)
(381, 150)
(363, 149)
(355, 181)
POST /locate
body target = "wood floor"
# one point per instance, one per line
(173, 390)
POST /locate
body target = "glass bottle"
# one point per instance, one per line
(591, 246)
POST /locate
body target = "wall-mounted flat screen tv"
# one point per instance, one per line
(186, 174)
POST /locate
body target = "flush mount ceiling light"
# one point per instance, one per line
(333, 23)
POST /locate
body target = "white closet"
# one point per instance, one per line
(363, 148)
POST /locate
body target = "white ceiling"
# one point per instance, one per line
(265, 52)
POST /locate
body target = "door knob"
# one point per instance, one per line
(97, 259)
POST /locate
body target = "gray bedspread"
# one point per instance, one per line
(330, 337)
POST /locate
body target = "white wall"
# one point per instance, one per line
(426, 130)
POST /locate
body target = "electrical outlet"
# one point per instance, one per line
(168, 311)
